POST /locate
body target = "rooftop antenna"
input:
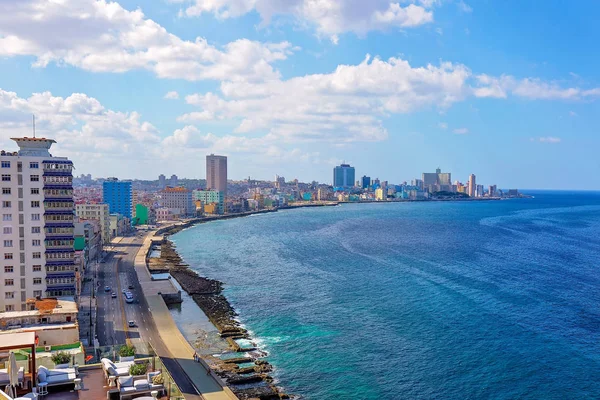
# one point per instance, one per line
(34, 126)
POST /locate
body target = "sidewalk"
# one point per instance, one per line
(208, 384)
(87, 306)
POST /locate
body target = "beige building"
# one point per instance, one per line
(472, 186)
(54, 321)
(98, 212)
(216, 173)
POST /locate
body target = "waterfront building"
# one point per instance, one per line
(119, 197)
(366, 182)
(208, 197)
(178, 198)
(343, 176)
(493, 191)
(37, 224)
(216, 173)
(437, 181)
(479, 191)
(472, 185)
(380, 194)
(97, 212)
(162, 181)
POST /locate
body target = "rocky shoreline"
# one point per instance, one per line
(247, 381)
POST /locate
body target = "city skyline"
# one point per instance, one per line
(392, 88)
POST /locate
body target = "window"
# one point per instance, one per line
(5, 164)
(35, 217)
(6, 204)
(36, 242)
(9, 307)
(34, 165)
(9, 295)
(37, 268)
(7, 230)
(34, 178)
(35, 229)
(8, 243)
(37, 293)
(8, 269)
(5, 190)
(35, 190)
(35, 204)
(37, 255)
(5, 177)
(6, 217)
(37, 281)
(9, 282)
(8, 256)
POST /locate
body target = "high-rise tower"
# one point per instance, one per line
(216, 173)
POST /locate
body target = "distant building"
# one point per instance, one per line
(208, 197)
(174, 180)
(493, 191)
(97, 212)
(279, 181)
(366, 182)
(141, 215)
(479, 191)
(178, 198)
(119, 225)
(343, 176)
(216, 173)
(380, 194)
(162, 181)
(437, 181)
(119, 197)
(472, 186)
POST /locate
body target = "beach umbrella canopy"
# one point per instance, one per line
(13, 374)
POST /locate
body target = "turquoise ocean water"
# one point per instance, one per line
(494, 300)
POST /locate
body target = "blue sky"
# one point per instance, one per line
(507, 90)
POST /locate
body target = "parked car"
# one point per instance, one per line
(130, 286)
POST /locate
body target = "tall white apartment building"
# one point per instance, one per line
(98, 212)
(36, 204)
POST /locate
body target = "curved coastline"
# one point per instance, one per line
(246, 381)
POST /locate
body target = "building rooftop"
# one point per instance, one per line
(178, 189)
(44, 307)
(14, 340)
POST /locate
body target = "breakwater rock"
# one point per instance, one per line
(207, 294)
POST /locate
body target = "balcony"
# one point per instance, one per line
(57, 172)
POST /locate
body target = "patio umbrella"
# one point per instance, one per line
(13, 374)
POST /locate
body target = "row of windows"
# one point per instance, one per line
(9, 269)
(32, 178)
(59, 256)
(60, 280)
(57, 268)
(34, 242)
(67, 167)
(58, 192)
(11, 282)
(51, 243)
(58, 204)
(34, 165)
(58, 179)
(66, 231)
(8, 217)
(7, 190)
(59, 218)
(8, 204)
(7, 230)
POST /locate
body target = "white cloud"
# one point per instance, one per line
(79, 123)
(529, 88)
(572, 114)
(464, 7)
(330, 18)
(460, 131)
(443, 125)
(102, 36)
(547, 139)
(173, 95)
(347, 105)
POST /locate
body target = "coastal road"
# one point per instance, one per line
(109, 326)
(120, 273)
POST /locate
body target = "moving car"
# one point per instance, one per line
(130, 286)
(131, 324)
(113, 295)
(107, 288)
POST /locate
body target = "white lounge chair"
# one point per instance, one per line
(116, 369)
(56, 377)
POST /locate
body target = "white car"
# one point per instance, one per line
(131, 324)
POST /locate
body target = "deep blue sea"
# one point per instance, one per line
(463, 300)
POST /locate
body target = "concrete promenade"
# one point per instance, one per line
(206, 382)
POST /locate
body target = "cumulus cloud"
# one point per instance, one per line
(79, 123)
(347, 105)
(172, 95)
(529, 88)
(330, 18)
(102, 36)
